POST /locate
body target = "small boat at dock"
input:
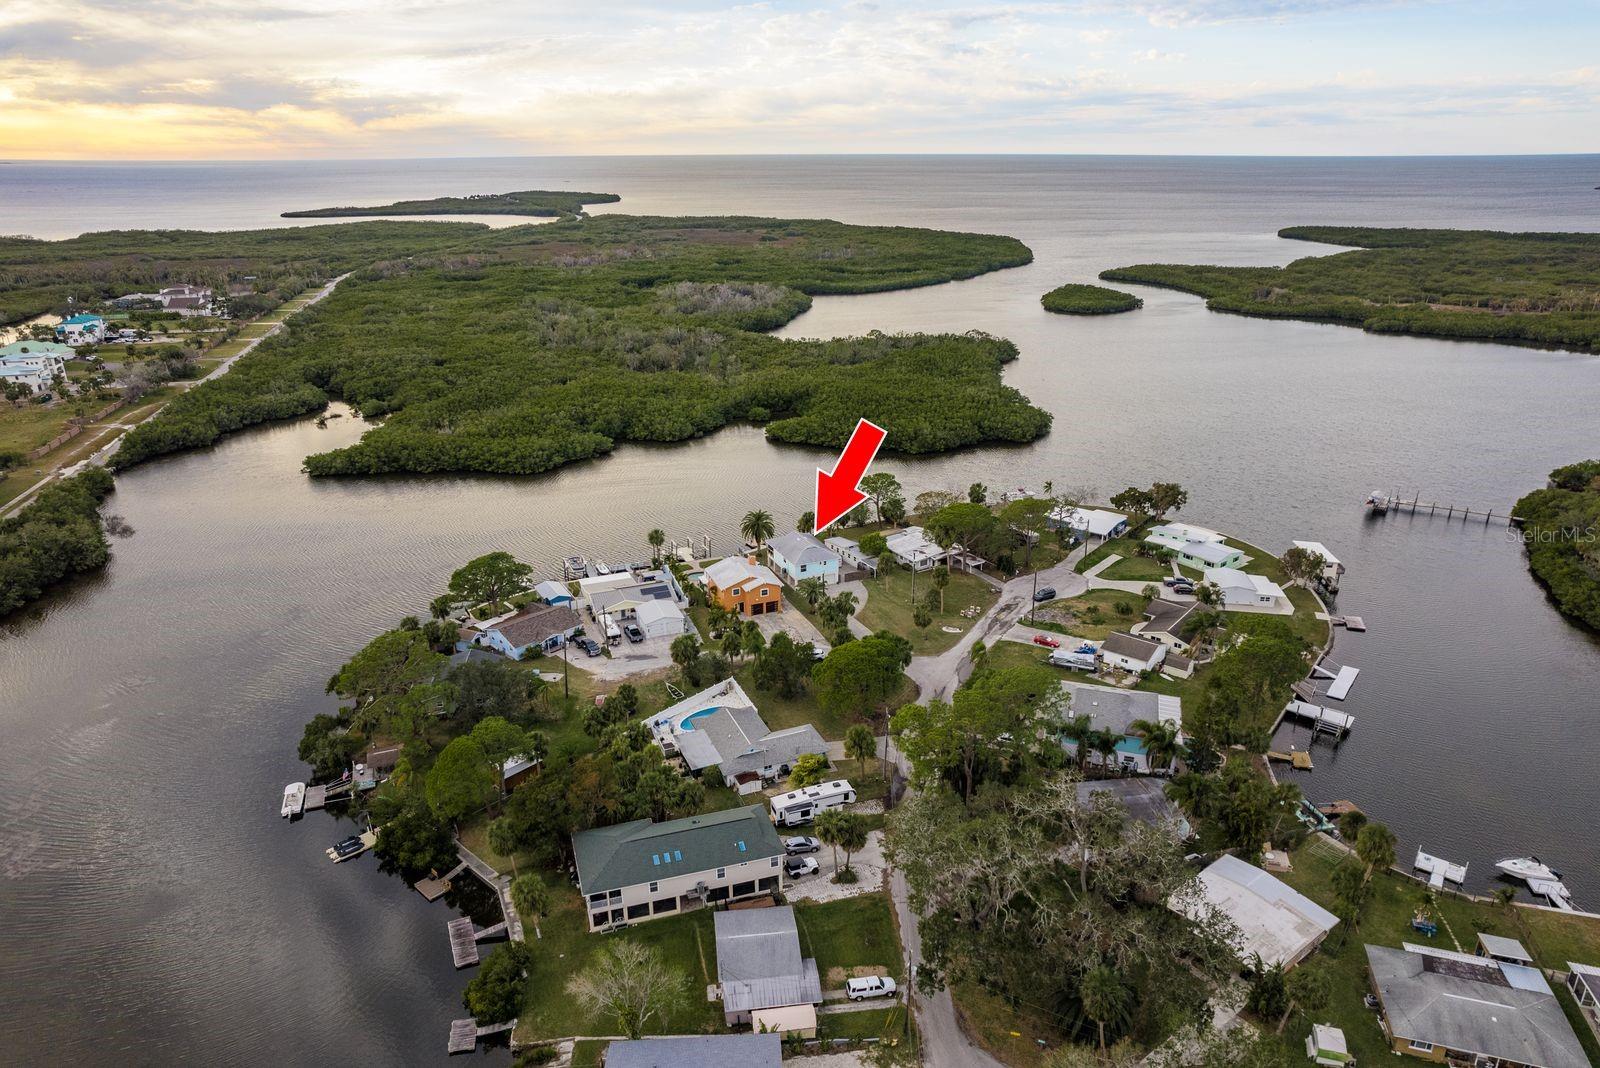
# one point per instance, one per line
(352, 847)
(294, 800)
(575, 567)
(1527, 869)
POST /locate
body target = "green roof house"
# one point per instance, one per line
(637, 871)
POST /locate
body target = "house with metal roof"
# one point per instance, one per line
(1145, 800)
(81, 329)
(720, 727)
(703, 1051)
(636, 871)
(1110, 708)
(1249, 593)
(545, 627)
(763, 980)
(1131, 653)
(914, 549)
(851, 555)
(1509, 950)
(1192, 549)
(552, 592)
(1444, 1006)
(798, 556)
(1089, 522)
(1274, 921)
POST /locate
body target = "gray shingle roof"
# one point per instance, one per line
(799, 548)
(627, 854)
(1144, 798)
(759, 963)
(536, 623)
(1167, 617)
(702, 1051)
(1120, 644)
(737, 740)
(1474, 1005)
(1113, 709)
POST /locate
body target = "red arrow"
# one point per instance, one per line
(836, 492)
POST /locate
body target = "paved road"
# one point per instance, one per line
(944, 1043)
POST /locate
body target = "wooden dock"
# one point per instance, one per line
(1382, 504)
(463, 943)
(464, 1034)
(432, 889)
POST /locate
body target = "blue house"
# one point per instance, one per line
(553, 592)
(798, 556)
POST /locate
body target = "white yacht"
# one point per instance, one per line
(294, 799)
(1528, 869)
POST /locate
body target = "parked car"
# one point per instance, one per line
(589, 645)
(801, 843)
(870, 986)
(1045, 593)
(633, 633)
(799, 866)
(1183, 586)
(1046, 640)
(1171, 580)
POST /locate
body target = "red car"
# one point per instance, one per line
(1045, 639)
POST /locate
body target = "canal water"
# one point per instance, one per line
(157, 909)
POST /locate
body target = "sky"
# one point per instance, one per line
(292, 79)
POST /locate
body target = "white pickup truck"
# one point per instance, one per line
(870, 986)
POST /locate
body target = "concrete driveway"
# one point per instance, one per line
(626, 659)
(869, 866)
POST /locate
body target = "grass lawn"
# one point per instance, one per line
(587, 1053)
(780, 713)
(888, 607)
(850, 937)
(1011, 1034)
(1126, 548)
(686, 941)
(887, 1022)
(1304, 622)
(1137, 569)
(1552, 939)
(31, 425)
(1092, 615)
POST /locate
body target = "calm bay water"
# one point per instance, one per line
(157, 909)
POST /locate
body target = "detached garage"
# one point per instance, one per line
(661, 619)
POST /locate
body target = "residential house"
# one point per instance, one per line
(1331, 567)
(636, 871)
(1248, 593)
(851, 556)
(1447, 1007)
(1086, 523)
(743, 586)
(375, 764)
(33, 363)
(515, 770)
(545, 627)
(1145, 800)
(797, 557)
(552, 592)
(661, 619)
(1164, 621)
(1194, 547)
(187, 300)
(1184, 533)
(1122, 650)
(1275, 922)
(763, 979)
(1110, 708)
(590, 586)
(720, 727)
(751, 1050)
(82, 329)
(914, 549)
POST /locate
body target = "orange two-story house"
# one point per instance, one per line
(742, 585)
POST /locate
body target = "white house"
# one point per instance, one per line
(81, 329)
(552, 592)
(1110, 708)
(545, 627)
(914, 549)
(1131, 653)
(33, 363)
(1274, 920)
(186, 299)
(661, 619)
(1179, 533)
(630, 872)
(1248, 593)
(1164, 622)
(1090, 522)
(720, 727)
(797, 556)
(1331, 567)
(850, 554)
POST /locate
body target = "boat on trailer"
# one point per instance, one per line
(294, 800)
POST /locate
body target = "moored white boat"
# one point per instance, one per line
(1527, 869)
(294, 799)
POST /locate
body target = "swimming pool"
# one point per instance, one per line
(687, 723)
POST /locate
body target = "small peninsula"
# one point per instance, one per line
(1530, 288)
(519, 350)
(1561, 531)
(539, 203)
(1076, 299)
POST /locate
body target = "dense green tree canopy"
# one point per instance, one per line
(56, 536)
(530, 347)
(1561, 531)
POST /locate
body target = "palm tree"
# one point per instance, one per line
(1160, 740)
(1078, 730)
(812, 591)
(1191, 792)
(1104, 998)
(846, 603)
(1375, 846)
(941, 579)
(807, 524)
(1105, 743)
(859, 744)
(657, 538)
(829, 829)
(757, 526)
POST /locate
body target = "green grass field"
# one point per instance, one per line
(1092, 615)
(888, 607)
